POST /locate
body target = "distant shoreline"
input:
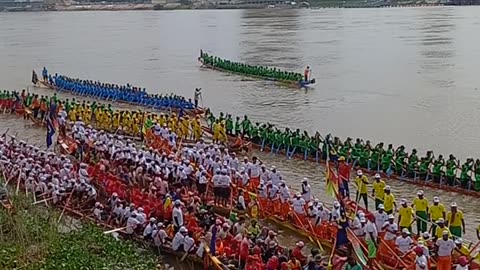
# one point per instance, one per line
(129, 7)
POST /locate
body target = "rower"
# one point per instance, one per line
(390, 228)
(179, 239)
(445, 247)
(378, 190)
(440, 228)
(455, 221)
(177, 215)
(405, 216)
(306, 73)
(389, 201)
(361, 181)
(275, 176)
(150, 228)
(404, 241)
(437, 211)
(380, 218)
(298, 204)
(306, 190)
(421, 262)
(421, 211)
(132, 223)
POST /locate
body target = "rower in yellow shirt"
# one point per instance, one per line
(378, 190)
(420, 204)
(162, 120)
(216, 130)
(439, 228)
(455, 221)
(72, 115)
(222, 137)
(389, 201)
(180, 129)
(436, 211)
(197, 129)
(184, 126)
(361, 181)
(405, 216)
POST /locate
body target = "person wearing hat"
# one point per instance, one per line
(455, 221)
(421, 261)
(420, 204)
(462, 263)
(380, 217)
(177, 215)
(436, 212)
(179, 239)
(440, 228)
(361, 181)
(152, 226)
(460, 249)
(344, 177)
(445, 247)
(405, 216)
(389, 201)
(404, 241)
(378, 190)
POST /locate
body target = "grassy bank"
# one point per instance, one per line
(31, 239)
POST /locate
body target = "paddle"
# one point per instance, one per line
(115, 230)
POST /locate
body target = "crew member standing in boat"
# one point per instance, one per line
(197, 95)
(45, 74)
(306, 73)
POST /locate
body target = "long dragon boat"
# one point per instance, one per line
(194, 111)
(296, 79)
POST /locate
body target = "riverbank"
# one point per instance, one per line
(178, 6)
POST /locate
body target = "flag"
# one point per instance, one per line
(50, 132)
(332, 182)
(34, 77)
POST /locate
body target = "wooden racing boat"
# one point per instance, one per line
(191, 112)
(418, 182)
(296, 84)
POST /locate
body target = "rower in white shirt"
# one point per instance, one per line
(404, 242)
(306, 190)
(323, 213)
(380, 217)
(284, 192)
(179, 239)
(298, 204)
(390, 228)
(274, 176)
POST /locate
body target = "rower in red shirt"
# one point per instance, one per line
(344, 175)
(297, 252)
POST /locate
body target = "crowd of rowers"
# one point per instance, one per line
(163, 178)
(246, 69)
(103, 116)
(381, 157)
(114, 92)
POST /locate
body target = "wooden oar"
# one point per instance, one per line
(115, 230)
(41, 201)
(64, 208)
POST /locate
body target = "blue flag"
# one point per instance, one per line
(50, 132)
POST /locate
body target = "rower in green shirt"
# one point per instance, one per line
(229, 125)
(437, 170)
(451, 170)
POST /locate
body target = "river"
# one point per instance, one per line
(398, 75)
